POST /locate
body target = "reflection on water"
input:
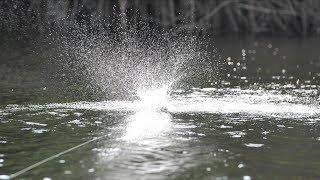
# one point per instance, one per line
(263, 123)
(147, 124)
(197, 134)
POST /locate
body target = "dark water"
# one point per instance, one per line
(262, 123)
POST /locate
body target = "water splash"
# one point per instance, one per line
(209, 101)
(120, 69)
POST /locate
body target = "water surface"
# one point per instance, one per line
(262, 122)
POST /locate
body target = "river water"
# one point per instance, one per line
(261, 123)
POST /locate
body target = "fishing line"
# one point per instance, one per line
(14, 175)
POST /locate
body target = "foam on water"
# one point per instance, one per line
(234, 101)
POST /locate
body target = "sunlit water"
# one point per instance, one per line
(207, 133)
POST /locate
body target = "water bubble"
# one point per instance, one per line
(269, 46)
(46, 178)
(62, 161)
(246, 178)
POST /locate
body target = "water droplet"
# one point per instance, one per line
(91, 170)
(68, 172)
(240, 165)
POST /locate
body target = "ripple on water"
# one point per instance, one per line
(253, 145)
(235, 109)
(40, 131)
(236, 134)
(36, 124)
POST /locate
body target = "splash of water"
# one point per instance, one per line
(120, 69)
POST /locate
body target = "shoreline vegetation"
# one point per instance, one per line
(257, 17)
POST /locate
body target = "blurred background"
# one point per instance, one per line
(270, 17)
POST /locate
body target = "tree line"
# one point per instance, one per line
(289, 17)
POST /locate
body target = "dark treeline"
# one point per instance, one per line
(288, 17)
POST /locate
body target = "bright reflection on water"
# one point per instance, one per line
(147, 124)
(195, 134)
(148, 121)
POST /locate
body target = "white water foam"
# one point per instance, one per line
(259, 103)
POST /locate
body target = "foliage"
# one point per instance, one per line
(291, 17)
